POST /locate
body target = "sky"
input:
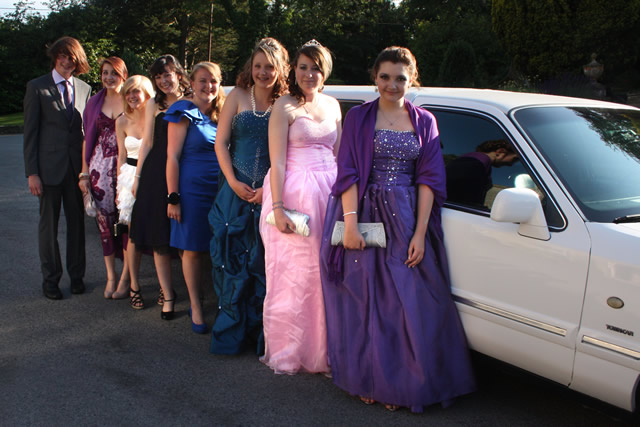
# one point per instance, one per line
(6, 6)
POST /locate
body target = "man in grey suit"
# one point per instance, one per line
(53, 106)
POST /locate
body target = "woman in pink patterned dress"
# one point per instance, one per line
(99, 167)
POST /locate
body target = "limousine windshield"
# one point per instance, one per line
(595, 152)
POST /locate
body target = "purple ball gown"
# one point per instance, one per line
(394, 334)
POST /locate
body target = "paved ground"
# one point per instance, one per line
(87, 361)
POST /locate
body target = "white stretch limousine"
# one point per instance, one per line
(545, 267)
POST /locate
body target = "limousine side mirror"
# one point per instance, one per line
(521, 205)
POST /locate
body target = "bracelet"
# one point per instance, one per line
(137, 176)
(279, 204)
(350, 213)
(277, 207)
(82, 178)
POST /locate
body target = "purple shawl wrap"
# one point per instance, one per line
(89, 121)
(355, 160)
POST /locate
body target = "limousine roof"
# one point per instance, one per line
(444, 96)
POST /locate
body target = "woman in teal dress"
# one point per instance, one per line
(237, 253)
(192, 176)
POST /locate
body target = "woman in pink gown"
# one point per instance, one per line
(304, 131)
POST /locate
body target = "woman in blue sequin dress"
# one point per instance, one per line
(192, 176)
(393, 331)
(237, 253)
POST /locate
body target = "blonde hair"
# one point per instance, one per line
(216, 105)
(136, 82)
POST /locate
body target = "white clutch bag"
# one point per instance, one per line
(373, 233)
(300, 220)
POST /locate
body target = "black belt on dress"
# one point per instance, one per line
(132, 162)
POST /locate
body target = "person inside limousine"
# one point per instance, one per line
(469, 175)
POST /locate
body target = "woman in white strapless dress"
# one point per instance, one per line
(136, 91)
(126, 176)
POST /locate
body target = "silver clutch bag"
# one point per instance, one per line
(89, 204)
(373, 233)
(299, 219)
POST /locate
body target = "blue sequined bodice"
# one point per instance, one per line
(394, 157)
(250, 147)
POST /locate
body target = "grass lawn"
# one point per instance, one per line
(14, 119)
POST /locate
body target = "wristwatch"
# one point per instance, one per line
(173, 198)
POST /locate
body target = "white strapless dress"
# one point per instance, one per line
(126, 176)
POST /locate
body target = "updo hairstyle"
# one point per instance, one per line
(397, 55)
(278, 56)
(320, 55)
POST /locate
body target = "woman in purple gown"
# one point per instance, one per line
(394, 334)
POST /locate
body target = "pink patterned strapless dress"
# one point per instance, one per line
(295, 329)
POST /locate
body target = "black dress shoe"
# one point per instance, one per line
(51, 291)
(77, 286)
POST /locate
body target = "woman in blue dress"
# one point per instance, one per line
(237, 253)
(192, 176)
(393, 331)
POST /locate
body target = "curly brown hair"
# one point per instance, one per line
(278, 56)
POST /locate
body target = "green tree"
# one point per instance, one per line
(435, 25)
(458, 68)
(550, 37)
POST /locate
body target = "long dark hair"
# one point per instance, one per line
(160, 67)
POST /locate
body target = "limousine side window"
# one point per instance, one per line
(481, 161)
(346, 105)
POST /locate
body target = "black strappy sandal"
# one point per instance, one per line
(136, 302)
(168, 315)
(161, 297)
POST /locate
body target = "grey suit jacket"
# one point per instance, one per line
(51, 141)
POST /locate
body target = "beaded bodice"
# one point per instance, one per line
(249, 147)
(394, 157)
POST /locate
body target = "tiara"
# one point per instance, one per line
(268, 44)
(312, 42)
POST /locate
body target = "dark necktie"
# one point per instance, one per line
(68, 102)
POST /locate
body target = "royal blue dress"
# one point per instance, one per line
(237, 253)
(198, 181)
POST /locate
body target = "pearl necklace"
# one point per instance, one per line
(253, 104)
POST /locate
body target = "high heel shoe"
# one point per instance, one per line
(136, 302)
(198, 328)
(122, 290)
(109, 290)
(168, 315)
